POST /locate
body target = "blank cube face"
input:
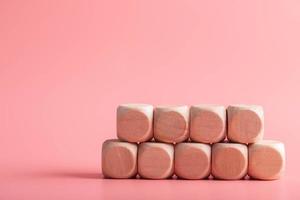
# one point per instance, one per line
(208, 123)
(229, 161)
(245, 123)
(119, 159)
(155, 160)
(192, 160)
(266, 160)
(171, 124)
(134, 122)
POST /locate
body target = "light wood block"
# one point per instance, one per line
(134, 122)
(192, 160)
(229, 161)
(155, 160)
(171, 123)
(266, 160)
(119, 159)
(208, 123)
(245, 123)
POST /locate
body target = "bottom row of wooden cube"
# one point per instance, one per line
(264, 160)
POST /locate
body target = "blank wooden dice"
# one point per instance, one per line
(192, 160)
(119, 159)
(245, 123)
(155, 160)
(229, 161)
(207, 123)
(171, 123)
(266, 160)
(134, 122)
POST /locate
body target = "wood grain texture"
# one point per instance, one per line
(171, 123)
(119, 159)
(207, 123)
(266, 160)
(155, 160)
(245, 123)
(134, 122)
(192, 160)
(229, 161)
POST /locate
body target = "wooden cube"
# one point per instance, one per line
(134, 122)
(229, 161)
(192, 160)
(266, 160)
(207, 123)
(171, 123)
(245, 123)
(119, 159)
(155, 160)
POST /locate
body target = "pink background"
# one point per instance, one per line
(66, 65)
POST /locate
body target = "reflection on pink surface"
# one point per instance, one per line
(66, 65)
(54, 184)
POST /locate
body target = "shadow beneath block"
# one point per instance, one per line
(58, 174)
(80, 175)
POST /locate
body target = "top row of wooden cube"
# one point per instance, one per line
(199, 123)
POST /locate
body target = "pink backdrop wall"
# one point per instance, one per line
(66, 65)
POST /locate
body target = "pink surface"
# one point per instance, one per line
(66, 65)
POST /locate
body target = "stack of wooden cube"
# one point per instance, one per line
(192, 143)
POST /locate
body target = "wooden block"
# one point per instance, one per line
(155, 160)
(208, 123)
(192, 160)
(229, 161)
(266, 160)
(134, 122)
(119, 159)
(245, 123)
(171, 123)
